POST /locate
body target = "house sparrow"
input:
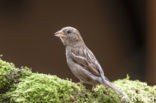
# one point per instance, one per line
(81, 60)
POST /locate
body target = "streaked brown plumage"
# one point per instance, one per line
(85, 62)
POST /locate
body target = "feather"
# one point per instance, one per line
(86, 59)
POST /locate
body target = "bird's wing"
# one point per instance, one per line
(85, 58)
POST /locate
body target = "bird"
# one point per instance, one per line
(81, 61)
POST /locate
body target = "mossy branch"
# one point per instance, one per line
(20, 85)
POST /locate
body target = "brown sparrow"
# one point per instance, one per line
(81, 60)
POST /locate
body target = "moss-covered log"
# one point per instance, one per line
(20, 85)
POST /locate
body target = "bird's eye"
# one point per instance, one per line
(68, 32)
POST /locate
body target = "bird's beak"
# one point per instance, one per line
(60, 34)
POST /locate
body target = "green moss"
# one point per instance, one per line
(27, 87)
(5, 71)
(43, 88)
(137, 91)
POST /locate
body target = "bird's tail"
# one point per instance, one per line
(122, 95)
(109, 84)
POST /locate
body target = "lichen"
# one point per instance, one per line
(20, 85)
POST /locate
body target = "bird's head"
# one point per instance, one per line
(69, 36)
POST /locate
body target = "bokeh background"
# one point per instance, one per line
(121, 33)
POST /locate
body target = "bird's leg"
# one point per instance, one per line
(79, 83)
(93, 88)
